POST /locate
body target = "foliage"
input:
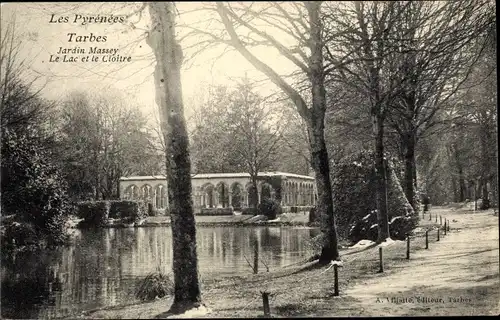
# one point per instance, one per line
(312, 215)
(128, 208)
(354, 199)
(269, 208)
(97, 213)
(155, 285)
(102, 139)
(249, 211)
(32, 187)
(94, 213)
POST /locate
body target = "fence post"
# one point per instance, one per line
(407, 247)
(440, 220)
(438, 234)
(445, 222)
(336, 280)
(265, 302)
(381, 257)
(430, 216)
(256, 258)
(427, 239)
(448, 225)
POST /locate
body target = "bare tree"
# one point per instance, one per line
(256, 129)
(371, 71)
(435, 52)
(301, 25)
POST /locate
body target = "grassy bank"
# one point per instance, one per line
(463, 266)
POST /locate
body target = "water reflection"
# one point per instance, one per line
(102, 267)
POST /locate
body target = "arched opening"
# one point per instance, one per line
(160, 197)
(146, 193)
(131, 192)
(222, 195)
(208, 199)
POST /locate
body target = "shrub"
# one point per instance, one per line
(155, 285)
(21, 234)
(269, 208)
(216, 211)
(353, 184)
(94, 213)
(33, 188)
(128, 209)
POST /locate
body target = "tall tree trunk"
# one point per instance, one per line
(253, 195)
(168, 56)
(461, 178)
(381, 176)
(319, 153)
(410, 170)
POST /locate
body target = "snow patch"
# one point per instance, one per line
(395, 218)
(192, 313)
(363, 243)
(366, 217)
(387, 242)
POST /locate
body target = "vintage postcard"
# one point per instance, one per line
(249, 159)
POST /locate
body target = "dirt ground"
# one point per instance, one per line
(458, 275)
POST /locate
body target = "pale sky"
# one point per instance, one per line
(41, 38)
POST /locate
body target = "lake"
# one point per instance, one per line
(103, 267)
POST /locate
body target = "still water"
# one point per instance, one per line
(103, 267)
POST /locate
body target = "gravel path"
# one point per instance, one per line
(457, 276)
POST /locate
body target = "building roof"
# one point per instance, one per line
(222, 175)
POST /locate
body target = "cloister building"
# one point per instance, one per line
(221, 190)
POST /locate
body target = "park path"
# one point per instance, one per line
(462, 269)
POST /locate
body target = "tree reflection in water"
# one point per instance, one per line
(102, 267)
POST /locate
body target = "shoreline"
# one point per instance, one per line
(306, 289)
(283, 220)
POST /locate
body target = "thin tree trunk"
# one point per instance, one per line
(169, 98)
(455, 189)
(254, 197)
(410, 172)
(381, 176)
(324, 204)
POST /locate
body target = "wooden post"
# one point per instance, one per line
(407, 247)
(448, 225)
(336, 280)
(256, 258)
(381, 256)
(430, 216)
(438, 234)
(440, 220)
(265, 302)
(427, 239)
(445, 222)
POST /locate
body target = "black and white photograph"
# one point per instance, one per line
(239, 159)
